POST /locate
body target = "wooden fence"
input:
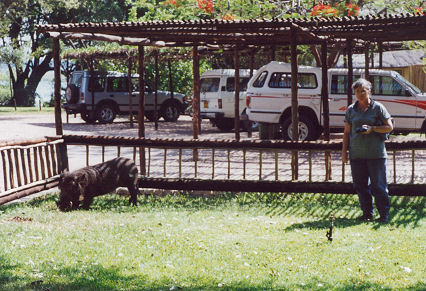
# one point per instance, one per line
(255, 166)
(213, 165)
(30, 166)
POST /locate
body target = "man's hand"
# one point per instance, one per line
(345, 157)
(367, 129)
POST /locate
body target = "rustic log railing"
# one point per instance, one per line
(255, 166)
(29, 166)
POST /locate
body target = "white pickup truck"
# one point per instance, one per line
(269, 99)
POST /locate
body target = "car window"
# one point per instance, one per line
(76, 80)
(98, 83)
(283, 80)
(386, 85)
(135, 85)
(260, 81)
(230, 84)
(339, 84)
(209, 84)
(401, 79)
(117, 84)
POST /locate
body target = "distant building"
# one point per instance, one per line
(411, 64)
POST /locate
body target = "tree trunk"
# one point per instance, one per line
(24, 94)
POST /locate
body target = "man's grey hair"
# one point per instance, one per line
(361, 83)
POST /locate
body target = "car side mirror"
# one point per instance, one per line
(223, 88)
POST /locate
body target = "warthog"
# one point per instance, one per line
(82, 185)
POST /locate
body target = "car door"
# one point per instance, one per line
(210, 95)
(400, 104)
(338, 98)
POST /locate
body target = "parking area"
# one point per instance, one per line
(39, 125)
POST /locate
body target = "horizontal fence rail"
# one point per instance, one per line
(29, 166)
(256, 166)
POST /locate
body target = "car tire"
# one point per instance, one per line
(86, 116)
(150, 115)
(246, 124)
(308, 130)
(170, 111)
(106, 113)
(224, 124)
(71, 94)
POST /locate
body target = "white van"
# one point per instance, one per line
(269, 98)
(217, 96)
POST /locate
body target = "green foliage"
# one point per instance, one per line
(249, 241)
(149, 10)
(373, 7)
(4, 88)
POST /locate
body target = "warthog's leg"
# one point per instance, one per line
(133, 190)
(86, 202)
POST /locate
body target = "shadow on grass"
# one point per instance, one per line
(317, 208)
(405, 212)
(97, 277)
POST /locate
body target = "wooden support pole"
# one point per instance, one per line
(249, 127)
(92, 112)
(62, 154)
(380, 55)
(367, 61)
(196, 88)
(294, 103)
(294, 81)
(169, 65)
(141, 111)
(156, 90)
(324, 91)
(350, 70)
(237, 94)
(130, 89)
(57, 86)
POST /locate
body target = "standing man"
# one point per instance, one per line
(367, 123)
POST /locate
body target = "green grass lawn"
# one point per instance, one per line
(227, 242)
(23, 110)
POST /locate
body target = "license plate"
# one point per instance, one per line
(206, 104)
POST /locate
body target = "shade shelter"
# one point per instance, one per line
(241, 34)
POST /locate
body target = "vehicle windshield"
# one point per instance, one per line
(403, 80)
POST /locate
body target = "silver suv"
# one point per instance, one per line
(111, 97)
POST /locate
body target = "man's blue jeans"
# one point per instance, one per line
(374, 170)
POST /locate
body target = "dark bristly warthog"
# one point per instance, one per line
(82, 185)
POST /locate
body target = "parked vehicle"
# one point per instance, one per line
(217, 96)
(269, 99)
(111, 97)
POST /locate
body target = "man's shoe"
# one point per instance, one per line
(383, 219)
(365, 217)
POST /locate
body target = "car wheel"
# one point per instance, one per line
(88, 117)
(71, 94)
(106, 113)
(150, 115)
(246, 124)
(170, 111)
(307, 129)
(224, 124)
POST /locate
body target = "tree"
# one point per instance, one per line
(28, 54)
